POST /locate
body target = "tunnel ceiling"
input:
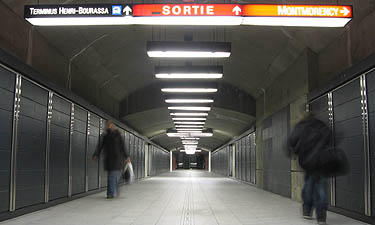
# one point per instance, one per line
(116, 59)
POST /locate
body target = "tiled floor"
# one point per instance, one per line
(179, 198)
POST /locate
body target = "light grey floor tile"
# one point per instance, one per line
(179, 198)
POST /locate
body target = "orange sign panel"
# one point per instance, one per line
(298, 11)
(187, 10)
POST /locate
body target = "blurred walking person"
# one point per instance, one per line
(311, 140)
(115, 157)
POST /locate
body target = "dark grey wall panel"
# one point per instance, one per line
(237, 160)
(371, 109)
(102, 172)
(31, 145)
(253, 158)
(319, 108)
(135, 156)
(79, 151)
(59, 149)
(347, 93)
(248, 158)
(143, 158)
(137, 153)
(93, 139)
(348, 136)
(243, 159)
(6, 117)
(122, 133)
(276, 165)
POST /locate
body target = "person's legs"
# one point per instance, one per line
(111, 183)
(307, 196)
(118, 176)
(321, 199)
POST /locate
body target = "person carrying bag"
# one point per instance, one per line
(311, 140)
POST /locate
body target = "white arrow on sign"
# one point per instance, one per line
(127, 10)
(236, 10)
(345, 11)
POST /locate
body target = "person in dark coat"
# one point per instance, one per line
(309, 140)
(115, 156)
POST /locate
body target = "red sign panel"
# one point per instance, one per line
(187, 10)
(298, 11)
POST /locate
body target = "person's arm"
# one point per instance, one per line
(98, 149)
(293, 140)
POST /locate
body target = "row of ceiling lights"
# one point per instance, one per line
(189, 119)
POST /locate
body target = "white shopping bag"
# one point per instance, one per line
(129, 173)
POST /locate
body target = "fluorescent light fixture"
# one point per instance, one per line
(296, 21)
(191, 123)
(190, 142)
(206, 134)
(189, 114)
(177, 134)
(189, 49)
(189, 126)
(188, 118)
(189, 134)
(138, 20)
(189, 138)
(190, 146)
(188, 75)
(190, 152)
(191, 54)
(189, 90)
(189, 72)
(189, 100)
(189, 131)
(189, 108)
(256, 20)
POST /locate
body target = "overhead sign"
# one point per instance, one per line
(298, 11)
(189, 14)
(187, 10)
(91, 10)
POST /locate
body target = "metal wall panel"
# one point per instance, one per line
(102, 173)
(79, 151)
(139, 159)
(31, 145)
(371, 122)
(143, 158)
(253, 159)
(122, 133)
(7, 86)
(348, 136)
(243, 158)
(93, 140)
(319, 108)
(226, 161)
(136, 157)
(150, 149)
(248, 158)
(237, 161)
(153, 168)
(59, 148)
(276, 166)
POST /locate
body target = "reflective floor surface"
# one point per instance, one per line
(179, 198)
